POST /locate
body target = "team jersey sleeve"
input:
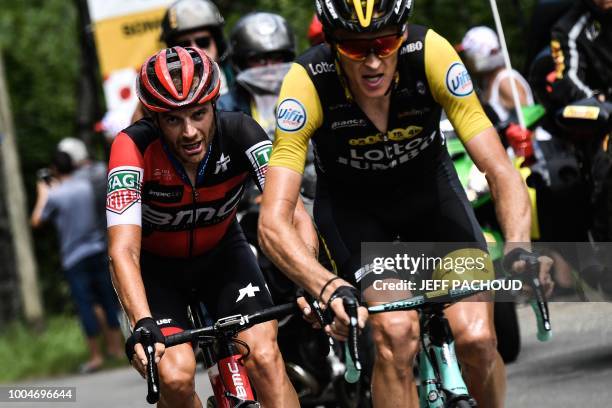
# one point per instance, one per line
(298, 116)
(256, 146)
(125, 175)
(452, 87)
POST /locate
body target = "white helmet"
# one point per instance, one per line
(75, 148)
(482, 49)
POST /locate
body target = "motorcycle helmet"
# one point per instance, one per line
(186, 16)
(261, 33)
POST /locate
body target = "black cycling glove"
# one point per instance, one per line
(519, 254)
(145, 324)
(345, 292)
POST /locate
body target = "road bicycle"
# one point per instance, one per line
(227, 374)
(441, 384)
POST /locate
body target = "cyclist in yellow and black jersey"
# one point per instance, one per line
(316, 103)
(370, 100)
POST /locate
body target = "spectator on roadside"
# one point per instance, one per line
(484, 59)
(93, 170)
(68, 201)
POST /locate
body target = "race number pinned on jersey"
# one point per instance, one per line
(458, 81)
(290, 115)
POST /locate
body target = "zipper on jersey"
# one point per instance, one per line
(194, 194)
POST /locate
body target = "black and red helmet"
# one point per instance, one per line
(177, 78)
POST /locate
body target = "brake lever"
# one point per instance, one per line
(146, 340)
(353, 363)
(539, 304)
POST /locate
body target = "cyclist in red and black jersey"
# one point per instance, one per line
(175, 179)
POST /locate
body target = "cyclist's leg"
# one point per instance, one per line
(343, 229)
(167, 296)
(471, 323)
(476, 345)
(237, 286)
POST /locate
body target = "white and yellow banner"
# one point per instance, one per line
(126, 33)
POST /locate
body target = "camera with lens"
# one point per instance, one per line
(45, 175)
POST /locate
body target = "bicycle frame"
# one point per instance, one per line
(227, 374)
(441, 379)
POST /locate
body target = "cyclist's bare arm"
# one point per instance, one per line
(280, 240)
(279, 236)
(124, 251)
(305, 228)
(512, 204)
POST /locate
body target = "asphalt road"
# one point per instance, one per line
(573, 370)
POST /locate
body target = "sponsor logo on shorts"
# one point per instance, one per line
(124, 184)
(458, 80)
(291, 115)
(247, 291)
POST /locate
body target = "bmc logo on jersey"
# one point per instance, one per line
(291, 115)
(124, 184)
(458, 80)
(169, 219)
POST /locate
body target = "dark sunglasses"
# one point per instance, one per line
(358, 50)
(201, 42)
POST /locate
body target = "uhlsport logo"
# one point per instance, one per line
(291, 115)
(458, 80)
(124, 186)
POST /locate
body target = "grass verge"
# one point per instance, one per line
(59, 349)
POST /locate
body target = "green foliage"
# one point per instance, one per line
(39, 43)
(26, 354)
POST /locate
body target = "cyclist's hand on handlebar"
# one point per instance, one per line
(339, 328)
(545, 265)
(307, 312)
(134, 349)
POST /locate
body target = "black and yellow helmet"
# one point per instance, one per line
(362, 16)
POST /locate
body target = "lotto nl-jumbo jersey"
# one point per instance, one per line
(147, 186)
(351, 154)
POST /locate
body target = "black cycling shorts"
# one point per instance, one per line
(432, 208)
(227, 280)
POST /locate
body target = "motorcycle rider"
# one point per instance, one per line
(582, 57)
(262, 44)
(581, 50)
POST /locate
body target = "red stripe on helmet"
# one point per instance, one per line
(187, 69)
(144, 78)
(163, 74)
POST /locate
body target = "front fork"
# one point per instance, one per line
(442, 385)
